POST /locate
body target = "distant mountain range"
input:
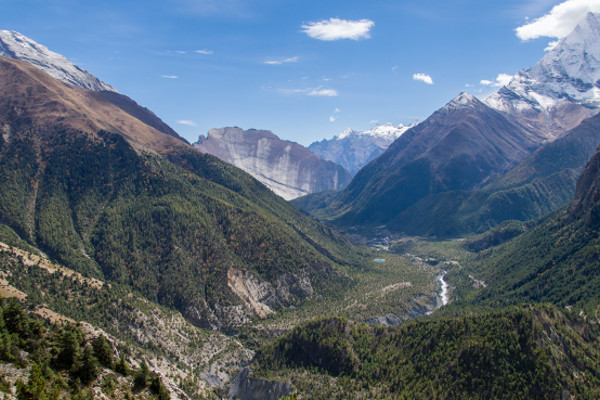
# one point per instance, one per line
(462, 146)
(469, 144)
(354, 149)
(287, 168)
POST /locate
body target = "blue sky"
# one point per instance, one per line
(201, 64)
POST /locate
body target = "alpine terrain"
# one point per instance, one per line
(134, 265)
(562, 89)
(287, 168)
(354, 149)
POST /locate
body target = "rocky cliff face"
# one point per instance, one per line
(287, 168)
(562, 89)
(586, 202)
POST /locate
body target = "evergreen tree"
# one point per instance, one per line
(103, 351)
(89, 367)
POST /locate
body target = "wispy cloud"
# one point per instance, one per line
(336, 29)
(169, 76)
(283, 61)
(501, 80)
(323, 92)
(333, 117)
(423, 78)
(311, 92)
(186, 122)
(204, 51)
(559, 22)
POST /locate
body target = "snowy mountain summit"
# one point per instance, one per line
(567, 75)
(386, 131)
(20, 47)
(354, 149)
(463, 100)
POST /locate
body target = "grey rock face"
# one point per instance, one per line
(245, 388)
(287, 168)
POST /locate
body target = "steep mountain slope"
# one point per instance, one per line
(562, 89)
(543, 182)
(19, 47)
(355, 149)
(31, 97)
(287, 168)
(462, 146)
(110, 196)
(531, 352)
(557, 261)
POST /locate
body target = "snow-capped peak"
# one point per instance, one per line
(463, 100)
(386, 131)
(20, 47)
(568, 72)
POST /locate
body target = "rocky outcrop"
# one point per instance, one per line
(287, 168)
(245, 388)
(586, 203)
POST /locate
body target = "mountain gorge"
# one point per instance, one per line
(114, 198)
(141, 266)
(287, 168)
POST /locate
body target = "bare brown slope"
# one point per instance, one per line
(30, 96)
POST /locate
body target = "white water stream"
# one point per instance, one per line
(444, 288)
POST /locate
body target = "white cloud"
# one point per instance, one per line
(336, 29)
(311, 92)
(501, 80)
(374, 121)
(179, 51)
(204, 51)
(337, 110)
(423, 78)
(551, 45)
(283, 61)
(395, 68)
(169, 76)
(560, 21)
(332, 118)
(323, 92)
(186, 122)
